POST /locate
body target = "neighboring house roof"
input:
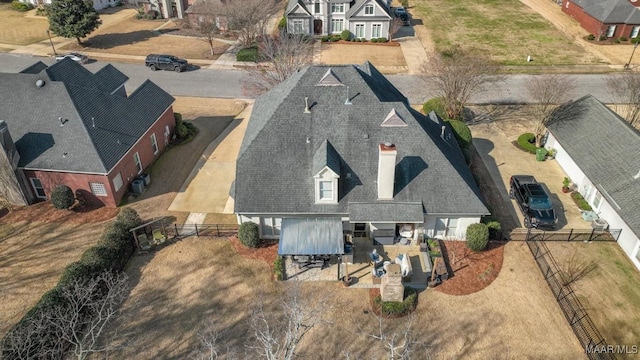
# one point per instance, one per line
(611, 11)
(74, 122)
(357, 7)
(284, 147)
(605, 147)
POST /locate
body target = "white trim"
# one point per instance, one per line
(138, 162)
(117, 182)
(154, 143)
(35, 188)
(342, 5)
(98, 189)
(342, 21)
(372, 27)
(369, 6)
(364, 30)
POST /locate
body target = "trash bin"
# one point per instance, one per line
(541, 153)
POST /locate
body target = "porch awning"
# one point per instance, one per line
(311, 236)
(402, 212)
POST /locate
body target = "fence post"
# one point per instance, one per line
(175, 226)
(570, 233)
(217, 230)
(591, 235)
(197, 233)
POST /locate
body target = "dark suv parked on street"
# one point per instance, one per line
(165, 62)
(534, 202)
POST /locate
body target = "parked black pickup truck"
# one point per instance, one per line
(534, 202)
(165, 62)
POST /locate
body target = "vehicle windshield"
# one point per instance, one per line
(539, 203)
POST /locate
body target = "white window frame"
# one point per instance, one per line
(333, 25)
(448, 227)
(117, 182)
(270, 227)
(634, 32)
(298, 26)
(597, 200)
(371, 8)
(36, 188)
(136, 159)
(362, 27)
(611, 30)
(317, 6)
(376, 26)
(322, 190)
(337, 8)
(98, 189)
(154, 144)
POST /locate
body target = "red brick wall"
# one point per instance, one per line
(592, 25)
(126, 167)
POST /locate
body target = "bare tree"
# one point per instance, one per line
(576, 268)
(208, 29)
(395, 25)
(213, 343)
(277, 336)
(249, 18)
(402, 344)
(31, 339)
(280, 57)
(546, 93)
(625, 89)
(456, 76)
(88, 308)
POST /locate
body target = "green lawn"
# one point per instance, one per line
(507, 30)
(610, 294)
(18, 29)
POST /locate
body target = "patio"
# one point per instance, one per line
(360, 270)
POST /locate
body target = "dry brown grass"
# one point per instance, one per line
(18, 28)
(610, 293)
(380, 56)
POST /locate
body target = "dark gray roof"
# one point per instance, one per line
(611, 11)
(276, 160)
(382, 211)
(311, 236)
(326, 156)
(35, 68)
(606, 149)
(360, 3)
(98, 127)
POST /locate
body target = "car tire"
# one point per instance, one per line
(152, 67)
(177, 69)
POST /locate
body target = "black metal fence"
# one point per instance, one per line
(217, 230)
(574, 312)
(565, 235)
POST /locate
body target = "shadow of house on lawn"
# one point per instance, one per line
(112, 40)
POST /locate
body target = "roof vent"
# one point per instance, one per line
(442, 129)
(93, 122)
(62, 121)
(308, 140)
(365, 135)
(40, 83)
(388, 144)
(347, 101)
(306, 105)
(637, 176)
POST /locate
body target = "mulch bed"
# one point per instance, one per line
(45, 212)
(472, 271)
(267, 251)
(388, 43)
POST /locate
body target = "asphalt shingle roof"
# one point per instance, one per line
(607, 150)
(275, 165)
(73, 122)
(611, 11)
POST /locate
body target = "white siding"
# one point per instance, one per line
(461, 230)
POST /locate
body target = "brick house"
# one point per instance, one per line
(63, 125)
(609, 18)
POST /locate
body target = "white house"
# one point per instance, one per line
(600, 152)
(97, 4)
(338, 149)
(365, 19)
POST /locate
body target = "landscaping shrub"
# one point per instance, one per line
(580, 201)
(62, 197)
(623, 38)
(249, 234)
(151, 15)
(42, 10)
(325, 38)
(617, 41)
(358, 40)
(335, 38)
(248, 54)
(345, 35)
(462, 133)
(278, 268)
(477, 237)
(405, 3)
(602, 37)
(591, 37)
(435, 104)
(407, 305)
(527, 142)
(635, 41)
(282, 24)
(128, 218)
(20, 6)
(494, 230)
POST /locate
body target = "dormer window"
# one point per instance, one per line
(326, 187)
(368, 10)
(326, 190)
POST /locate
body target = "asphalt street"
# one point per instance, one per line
(217, 83)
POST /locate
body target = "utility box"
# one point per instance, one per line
(137, 186)
(146, 178)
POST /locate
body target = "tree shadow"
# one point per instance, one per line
(112, 40)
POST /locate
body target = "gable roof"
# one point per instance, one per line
(603, 145)
(73, 122)
(283, 144)
(296, 4)
(357, 7)
(611, 11)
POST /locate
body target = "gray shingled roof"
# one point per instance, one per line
(326, 156)
(606, 149)
(99, 128)
(275, 164)
(611, 11)
(360, 3)
(382, 211)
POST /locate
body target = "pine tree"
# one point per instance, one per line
(73, 18)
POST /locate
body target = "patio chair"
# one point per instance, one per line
(375, 258)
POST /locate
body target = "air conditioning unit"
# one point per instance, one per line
(137, 186)
(146, 178)
(599, 224)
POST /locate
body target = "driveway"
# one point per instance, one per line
(206, 190)
(493, 140)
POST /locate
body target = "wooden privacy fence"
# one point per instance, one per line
(522, 234)
(580, 322)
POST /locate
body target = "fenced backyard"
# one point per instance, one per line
(521, 234)
(573, 310)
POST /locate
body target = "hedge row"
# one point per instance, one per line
(405, 307)
(527, 142)
(113, 250)
(248, 54)
(581, 202)
(20, 6)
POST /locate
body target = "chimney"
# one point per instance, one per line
(442, 130)
(306, 105)
(386, 170)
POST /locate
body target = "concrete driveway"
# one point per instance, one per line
(206, 190)
(493, 139)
